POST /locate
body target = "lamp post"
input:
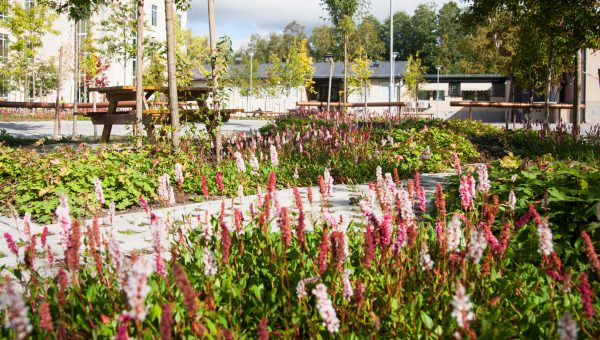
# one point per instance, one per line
(329, 59)
(392, 78)
(251, 69)
(437, 92)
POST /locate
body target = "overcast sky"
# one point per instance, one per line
(240, 18)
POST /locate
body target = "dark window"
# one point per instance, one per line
(476, 95)
(454, 90)
(3, 46)
(498, 90)
(441, 95)
(29, 4)
(423, 95)
(430, 95)
(154, 15)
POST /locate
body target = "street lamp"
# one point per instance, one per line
(251, 69)
(392, 80)
(329, 59)
(437, 92)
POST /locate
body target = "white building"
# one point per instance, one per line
(591, 86)
(154, 15)
(433, 97)
(451, 87)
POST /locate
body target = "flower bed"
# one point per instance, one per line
(477, 268)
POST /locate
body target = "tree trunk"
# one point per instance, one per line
(76, 79)
(344, 108)
(58, 85)
(366, 92)
(139, 91)
(171, 70)
(577, 96)
(548, 86)
(214, 131)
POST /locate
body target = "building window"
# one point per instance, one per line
(3, 46)
(430, 95)
(29, 4)
(498, 90)
(4, 5)
(133, 67)
(476, 95)
(154, 14)
(179, 20)
(454, 89)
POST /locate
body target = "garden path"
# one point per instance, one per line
(44, 129)
(133, 232)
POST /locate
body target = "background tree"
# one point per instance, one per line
(273, 43)
(360, 76)
(275, 76)
(450, 39)
(323, 40)
(192, 53)
(155, 72)
(367, 38)
(299, 70)
(547, 33)
(413, 75)
(119, 34)
(23, 69)
(342, 14)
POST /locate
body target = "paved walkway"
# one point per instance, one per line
(133, 232)
(45, 128)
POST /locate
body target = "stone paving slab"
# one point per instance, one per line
(133, 232)
(45, 128)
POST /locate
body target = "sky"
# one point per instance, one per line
(239, 19)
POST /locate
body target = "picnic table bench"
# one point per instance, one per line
(121, 97)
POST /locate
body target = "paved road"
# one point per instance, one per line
(44, 129)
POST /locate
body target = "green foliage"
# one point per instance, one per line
(299, 67)
(257, 276)
(413, 75)
(547, 34)
(192, 53)
(273, 43)
(360, 77)
(23, 66)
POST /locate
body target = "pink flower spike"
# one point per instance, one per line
(27, 224)
(179, 174)
(220, 181)
(144, 205)
(98, 190)
(12, 245)
(44, 236)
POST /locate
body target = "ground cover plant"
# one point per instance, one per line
(477, 268)
(32, 179)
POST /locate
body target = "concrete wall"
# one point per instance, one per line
(592, 86)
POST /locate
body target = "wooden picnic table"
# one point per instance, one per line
(116, 95)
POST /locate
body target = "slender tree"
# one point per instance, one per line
(342, 14)
(172, 73)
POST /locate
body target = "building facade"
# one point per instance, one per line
(433, 96)
(68, 31)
